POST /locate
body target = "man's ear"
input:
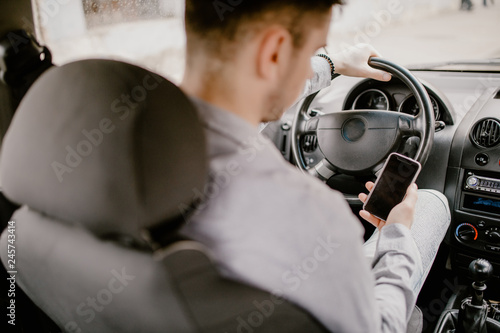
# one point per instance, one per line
(274, 52)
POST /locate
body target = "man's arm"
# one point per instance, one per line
(350, 62)
(396, 259)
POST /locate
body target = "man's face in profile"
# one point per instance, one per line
(299, 69)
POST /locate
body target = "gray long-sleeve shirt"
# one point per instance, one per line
(271, 226)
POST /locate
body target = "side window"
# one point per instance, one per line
(146, 32)
(106, 12)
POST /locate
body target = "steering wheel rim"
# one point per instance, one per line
(356, 123)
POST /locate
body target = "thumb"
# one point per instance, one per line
(412, 194)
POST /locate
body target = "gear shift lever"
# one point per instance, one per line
(481, 271)
(474, 310)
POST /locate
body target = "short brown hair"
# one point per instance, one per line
(217, 23)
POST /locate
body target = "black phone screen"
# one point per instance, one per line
(390, 189)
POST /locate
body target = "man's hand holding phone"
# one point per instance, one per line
(393, 197)
(402, 213)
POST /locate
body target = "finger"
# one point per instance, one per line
(378, 75)
(370, 218)
(362, 197)
(369, 185)
(372, 72)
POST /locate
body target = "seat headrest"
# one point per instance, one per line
(104, 144)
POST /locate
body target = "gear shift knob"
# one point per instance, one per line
(481, 271)
(473, 312)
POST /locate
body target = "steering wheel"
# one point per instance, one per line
(357, 142)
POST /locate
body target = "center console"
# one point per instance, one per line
(473, 190)
(475, 228)
(478, 213)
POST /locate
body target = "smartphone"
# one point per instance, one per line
(398, 173)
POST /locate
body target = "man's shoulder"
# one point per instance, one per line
(259, 172)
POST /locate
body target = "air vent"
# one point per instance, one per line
(486, 133)
(310, 143)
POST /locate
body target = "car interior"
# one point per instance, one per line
(90, 217)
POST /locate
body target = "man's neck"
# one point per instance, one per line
(229, 95)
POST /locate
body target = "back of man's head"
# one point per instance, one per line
(220, 26)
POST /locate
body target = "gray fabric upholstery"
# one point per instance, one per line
(94, 140)
(62, 267)
(73, 277)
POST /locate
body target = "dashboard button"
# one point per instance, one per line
(472, 181)
(493, 248)
(466, 232)
(482, 159)
(495, 236)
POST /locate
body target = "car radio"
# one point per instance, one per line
(481, 193)
(480, 184)
(477, 222)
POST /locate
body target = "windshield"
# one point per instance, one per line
(423, 34)
(419, 32)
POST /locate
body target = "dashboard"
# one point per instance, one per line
(393, 96)
(464, 162)
(375, 99)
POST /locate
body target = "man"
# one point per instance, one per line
(266, 223)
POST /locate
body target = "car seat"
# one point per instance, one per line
(104, 158)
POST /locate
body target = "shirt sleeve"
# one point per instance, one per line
(321, 78)
(394, 263)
